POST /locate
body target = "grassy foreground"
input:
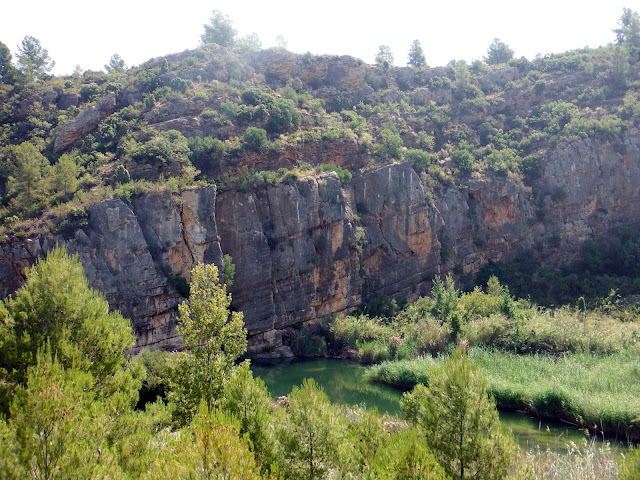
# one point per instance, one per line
(601, 393)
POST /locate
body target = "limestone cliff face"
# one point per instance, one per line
(315, 247)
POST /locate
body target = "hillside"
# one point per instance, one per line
(330, 182)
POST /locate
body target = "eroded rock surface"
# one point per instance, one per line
(315, 247)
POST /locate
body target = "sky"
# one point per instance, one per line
(87, 33)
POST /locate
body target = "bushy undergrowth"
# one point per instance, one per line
(491, 319)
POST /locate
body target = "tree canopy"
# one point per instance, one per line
(629, 31)
(460, 421)
(498, 52)
(116, 64)
(8, 72)
(33, 59)
(384, 57)
(416, 55)
(214, 338)
(219, 30)
(56, 306)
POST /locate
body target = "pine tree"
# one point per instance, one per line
(8, 73)
(460, 422)
(629, 31)
(416, 55)
(498, 52)
(56, 305)
(219, 30)
(33, 60)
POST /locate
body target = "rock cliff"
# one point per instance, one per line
(314, 247)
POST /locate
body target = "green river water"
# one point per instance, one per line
(344, 383)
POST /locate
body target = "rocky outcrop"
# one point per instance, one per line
(85, 123)
(314, 247)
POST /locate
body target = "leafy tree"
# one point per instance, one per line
(163, 147)
(8, 73)
(207, 150)
(629, 31)
(248, 401)
(116, 64)
(416, 55)
(281, 42)
(228, 270)
(392, 143)
(460, 422)
(56, 305)
(248, 43)
(498, 52)
(384, 57)
(33, 60)
(219, 30)
(214, 340)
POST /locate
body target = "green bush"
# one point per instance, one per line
(255, 139)
(343, 174)
(283, 116)
(206, 150)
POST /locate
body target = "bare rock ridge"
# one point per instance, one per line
(315, 247)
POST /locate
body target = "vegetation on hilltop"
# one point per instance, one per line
(206, 115)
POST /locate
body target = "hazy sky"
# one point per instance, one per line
(87, 33)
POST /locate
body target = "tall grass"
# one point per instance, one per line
(601, 393)
(587, 461)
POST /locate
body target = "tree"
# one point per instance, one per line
(33, 60)
(56, 428)
(219, 30)
(384, 57)
(416, 55)
(122, 175)
(8, 73)
(248, 43)
(209, 448)
(214, 340)
(116, 64)
(65, 175)
(311, 439)
(228, 270)
(460, 422)
(281, 42)
(498, 52)
(56, 305)
(28, 171)
(629, 31)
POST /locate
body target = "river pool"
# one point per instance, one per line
(345, 383)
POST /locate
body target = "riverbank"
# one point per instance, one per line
(598, 393)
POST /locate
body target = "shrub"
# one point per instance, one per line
(255, 139)
(283, 116)
(180, 84)
(343, 174)
(206, 150)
